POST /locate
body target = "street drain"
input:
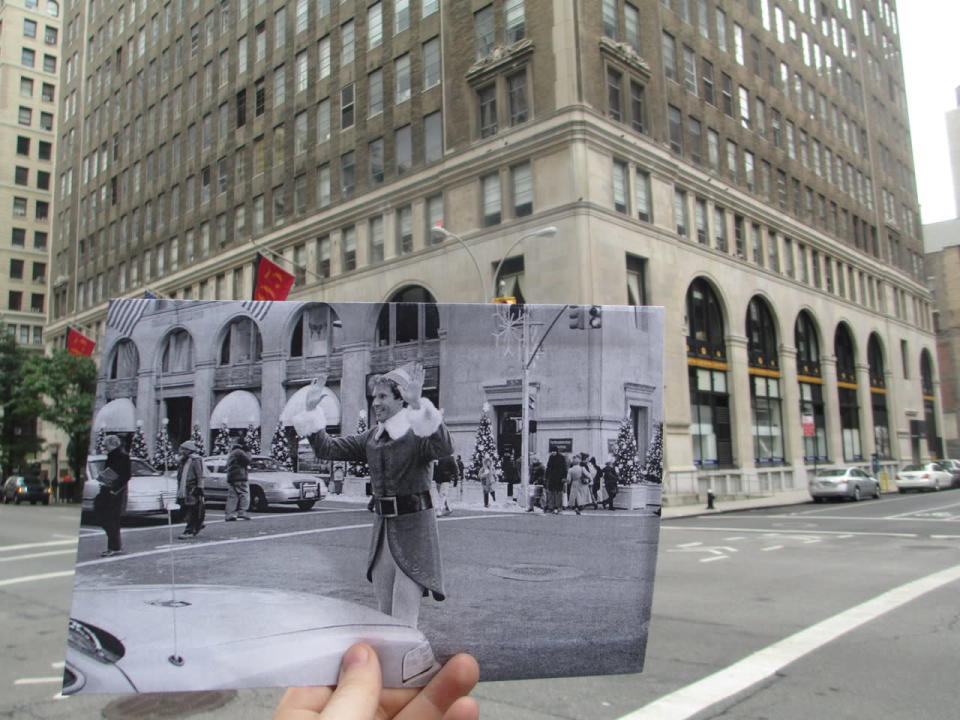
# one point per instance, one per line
(535, 573)
(159, 706)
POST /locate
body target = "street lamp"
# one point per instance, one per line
(443, 232)
(548, 231)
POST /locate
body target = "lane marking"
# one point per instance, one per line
(31, 546)
(945, 537)
(31, 578)
(914, 517)
(696, 697)
(735, 537)
(689, 544)
(772, 547)
(38, 680)
(31, 556)
(718, 557)
(194, 544)
(924, 510)
(805, 531)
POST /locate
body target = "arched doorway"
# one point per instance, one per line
(929, 415)
(845, 353)
(765, 388)
(878, 397)
(810, 379)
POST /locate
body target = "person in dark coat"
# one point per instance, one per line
(511, 473)
(238, 486)
(403, 562)
(611, 479)
(190, 488)
(110, 501)
(459, 471)
(556, 476)
(444, 475)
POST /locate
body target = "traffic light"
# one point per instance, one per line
(596, 317)
(576, 317)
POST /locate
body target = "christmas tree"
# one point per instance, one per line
(197, 438)
(279, 449)
(221, 443)
(484, 447)
(163, 454)
(360, 469)
(100, 448)
(138, 447)
(652, 470)
(625, 460)
(251, 439)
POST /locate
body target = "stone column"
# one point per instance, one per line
(741, 412)
(353, 392)
(203, 380)
(831, 409)
(273, 396)
(790, 407)
(867, 439)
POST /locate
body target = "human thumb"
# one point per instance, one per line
(358, 690)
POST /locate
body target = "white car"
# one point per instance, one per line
(923, 476)
(157, 638)
(844, 482)
(270, 484)
(149, 492)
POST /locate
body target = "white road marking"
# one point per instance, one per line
(31, 556)
(844, 537)
(945, 537)
(38, 680)
(908, 518)
(31, 546)
(698, 696)
(922, 510)
(772, 547)
(718, 557)
(807, 532)
(690, 544)
(735, 537)
(31, 578)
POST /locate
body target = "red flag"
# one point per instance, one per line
(273, 282)
(79, 344)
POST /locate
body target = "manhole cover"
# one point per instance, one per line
(158, 706)
(535, 573)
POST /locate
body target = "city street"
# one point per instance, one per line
(836, 610)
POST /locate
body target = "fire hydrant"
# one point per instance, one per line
(711, 496)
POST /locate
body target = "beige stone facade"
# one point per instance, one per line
(746, 159)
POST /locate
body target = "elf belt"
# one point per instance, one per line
(393, 505)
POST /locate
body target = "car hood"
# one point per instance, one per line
(231, 637)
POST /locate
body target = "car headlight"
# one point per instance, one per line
(417, 661)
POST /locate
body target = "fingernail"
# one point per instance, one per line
(356, 655)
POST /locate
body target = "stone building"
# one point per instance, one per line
(744, 165)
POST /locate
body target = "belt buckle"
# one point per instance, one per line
(392, 500)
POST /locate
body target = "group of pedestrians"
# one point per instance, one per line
(580, 480)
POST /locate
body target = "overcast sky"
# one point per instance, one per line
(930, 37)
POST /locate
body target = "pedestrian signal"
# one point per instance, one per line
(596, 317)
(576, 317)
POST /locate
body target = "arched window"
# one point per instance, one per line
(812, 415)
(843, 349)
(314, 332)
(241, 343)
(929, 417)
(707, 374)
(53, 8)
(177, 352)
(124, 361)
(878, 396)
(764, 369)
(410, 315)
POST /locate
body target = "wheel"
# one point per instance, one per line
(936, 485)
(258, 501)
(306, 504)
(876, 491)
(856, 494)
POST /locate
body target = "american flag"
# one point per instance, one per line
(257, 308)
(125, 313)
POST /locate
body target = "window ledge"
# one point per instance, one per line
(625, 54)
(499, 58)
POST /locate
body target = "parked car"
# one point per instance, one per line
(843, 482)
(952, 467)
(122, 639)
(270, 484)
(149, 492)
(920, 476)
(18, 488)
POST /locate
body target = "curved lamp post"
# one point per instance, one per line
(443, 232)
(549, 231)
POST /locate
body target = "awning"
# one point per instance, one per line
(239, 409)
(118, 415)
(329, 403)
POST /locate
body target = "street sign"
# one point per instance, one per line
(564, 445)
(809, 429)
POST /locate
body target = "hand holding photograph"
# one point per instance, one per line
(428, 479)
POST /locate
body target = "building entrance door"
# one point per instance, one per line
(509, 424)
(179, 415)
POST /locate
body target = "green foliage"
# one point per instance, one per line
(279, 449)
(63, 387)
(485, 446)
(19, 410)
(652, 470)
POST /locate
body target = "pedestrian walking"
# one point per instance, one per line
(55, 489)
(403, 562)
(611, 479)
(578, 478)
(537, 489)
(459, 472)
(238, 483)
(488, 479)
(109, 503)
(556, 476)
(445, 474)
(596, 477)
(190, 488)
(511, 475)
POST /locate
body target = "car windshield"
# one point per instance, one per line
(831, 473)
(913, 468)
(263, 464)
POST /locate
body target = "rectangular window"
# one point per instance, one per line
(610, 18)
(349, 244)
(619, 186)
(323, 256)
(403, 149)
(347, 174)
(434, 216)
(374, 25)
(675, 123)
(404, 230)
(401, 16)
(631, 26)
(720, 229)
(323, 120)
(669, 49)
(614, 95)
(638, 107)
(431, 63)
(706, 79)
(323, 56)
(375, 154)
(375, 232)
(301, 71)
(515, 21)
(433, 136)
(521, 178)
(689, 70)
(642, 196)
(488, 110)
(346, 106)
(700, 219)
(401, 72)
(517, 97)
(323, 186)
(347, 44)
(491, 202)
(375, 93)
(483, 31)
(681, 213)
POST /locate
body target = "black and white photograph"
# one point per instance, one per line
(271, 482)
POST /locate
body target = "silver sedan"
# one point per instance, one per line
(844, 482)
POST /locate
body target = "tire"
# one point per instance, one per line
(306, 504)
(856, 494)
(876, 491)
(258, 501)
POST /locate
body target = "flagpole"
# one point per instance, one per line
(280, 256)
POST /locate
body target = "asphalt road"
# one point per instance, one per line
(844, 610)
